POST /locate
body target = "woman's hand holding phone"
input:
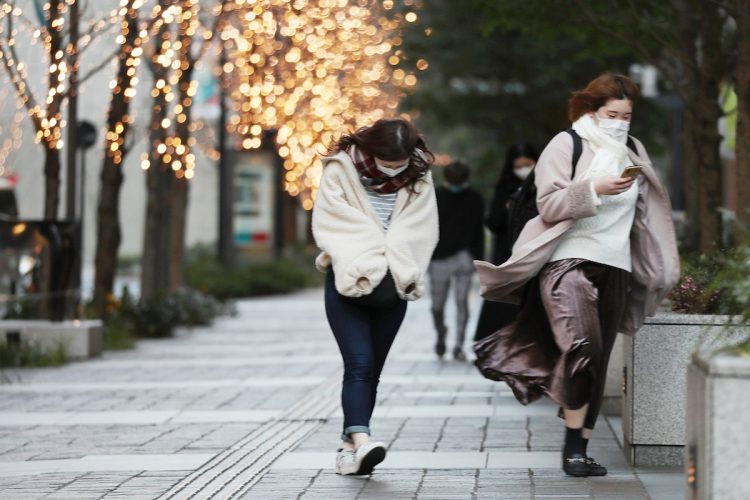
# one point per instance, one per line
(618, 185)
(613, 185)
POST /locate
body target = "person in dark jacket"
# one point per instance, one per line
(519, 162)
(460, 212)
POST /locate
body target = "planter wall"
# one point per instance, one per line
(655, 361)
(718, 441)
(82, 339)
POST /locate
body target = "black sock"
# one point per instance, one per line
(574, 442)
(585, 446)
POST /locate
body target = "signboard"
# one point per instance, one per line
(253, 202)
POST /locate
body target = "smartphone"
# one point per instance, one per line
(631, 171)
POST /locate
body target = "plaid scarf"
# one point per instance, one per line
(371, 177)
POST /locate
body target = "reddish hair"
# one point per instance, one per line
(599, 91)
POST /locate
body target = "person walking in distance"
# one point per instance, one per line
(602, 254)
(519, 163)
(461, 211)
(375, 221)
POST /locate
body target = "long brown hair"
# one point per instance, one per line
(599, 91)
(391, 139)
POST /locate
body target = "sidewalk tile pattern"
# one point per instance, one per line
(203, 398)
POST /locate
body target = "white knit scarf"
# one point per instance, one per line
(610, 155)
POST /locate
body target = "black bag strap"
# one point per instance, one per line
(578, 148)
(631, 145)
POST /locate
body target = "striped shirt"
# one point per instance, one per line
(382, 203)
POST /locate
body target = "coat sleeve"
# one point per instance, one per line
(558, 197)
(350, 238)
(411, 239)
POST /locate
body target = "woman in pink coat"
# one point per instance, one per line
(600, 256)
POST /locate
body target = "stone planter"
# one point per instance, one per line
(81, 339)
(655, 363)
(718, 441)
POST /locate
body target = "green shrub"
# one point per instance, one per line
(718, 284)
(267, 278)
(734, 283)
(29, 354)
(118, 334)
(158, 316)
(696, 292)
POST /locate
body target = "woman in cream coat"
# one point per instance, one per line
(598, 259)
(375, 221)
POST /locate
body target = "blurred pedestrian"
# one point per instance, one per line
(461, 211)
(375, 221)
(600, 257)
(519, 163)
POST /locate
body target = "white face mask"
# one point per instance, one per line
(390, 172)
(617, 129)
(523, 172)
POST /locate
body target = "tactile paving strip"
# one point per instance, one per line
(233, 472)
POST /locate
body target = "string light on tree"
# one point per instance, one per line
(309, 69)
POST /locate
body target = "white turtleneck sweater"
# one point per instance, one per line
(604, 237)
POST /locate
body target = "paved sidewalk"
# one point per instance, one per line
(249, 409)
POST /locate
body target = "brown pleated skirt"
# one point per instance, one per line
(561, 342)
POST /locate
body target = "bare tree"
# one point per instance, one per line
(119, 122)
(155, 258)
(46, 118)
(683, 38)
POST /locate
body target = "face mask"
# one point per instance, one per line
(617, 129)
(391, 172)
(453, 188)
(523, 172)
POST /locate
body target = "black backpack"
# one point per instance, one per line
(523, 202)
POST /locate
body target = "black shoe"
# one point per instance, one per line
(577, 465)
(595, 468)
(440, 349)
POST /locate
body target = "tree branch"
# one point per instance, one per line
(98, 67)
(16, 77)
(645, 24)
(600, 25)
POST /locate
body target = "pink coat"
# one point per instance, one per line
(560, 200)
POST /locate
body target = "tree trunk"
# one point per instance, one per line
(742, 180)
(687, 80)
(51, 180)
(707, 139)
(181, 183)
(178, 209)
(108, 224)
(155, 260)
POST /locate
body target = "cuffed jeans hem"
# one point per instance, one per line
(346, 436)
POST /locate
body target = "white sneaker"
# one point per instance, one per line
(367, 456)
(346, 463)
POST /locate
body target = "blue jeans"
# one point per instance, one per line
(364, 336)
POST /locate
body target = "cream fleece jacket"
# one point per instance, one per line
(352, 239)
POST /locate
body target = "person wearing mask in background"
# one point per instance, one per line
(519, 162)
(600, 257)
(375, 221)
(460, 211)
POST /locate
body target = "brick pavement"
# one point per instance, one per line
(249, 409)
